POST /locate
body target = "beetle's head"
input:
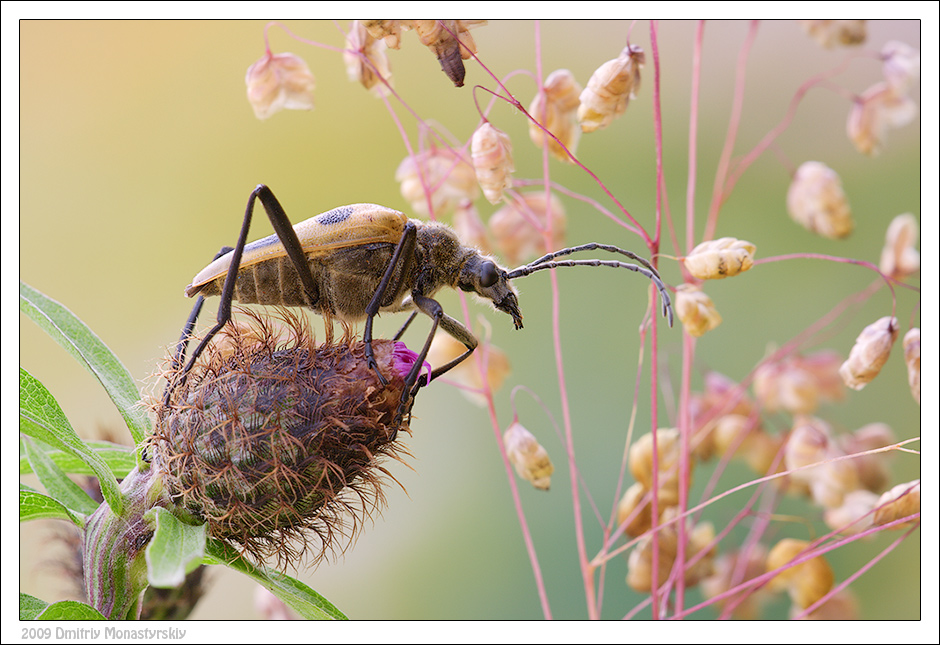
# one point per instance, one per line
(481, 275)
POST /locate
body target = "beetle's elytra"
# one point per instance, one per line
(356, 261)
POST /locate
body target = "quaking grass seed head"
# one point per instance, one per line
(272, 440)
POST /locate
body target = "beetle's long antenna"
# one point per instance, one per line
(548, 262)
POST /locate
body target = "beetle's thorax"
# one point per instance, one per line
(441, 257)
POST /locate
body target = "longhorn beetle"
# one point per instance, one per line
(355, 261)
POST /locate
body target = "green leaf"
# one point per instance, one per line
(82, 343)
(36, 506)
(30, 606)
(70, 610)
(175, 549)
(298, 596)
(57, 483)
(120, 459)
(43, 419)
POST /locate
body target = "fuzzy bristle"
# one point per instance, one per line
(272, 439)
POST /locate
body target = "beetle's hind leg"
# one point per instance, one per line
(399, 265)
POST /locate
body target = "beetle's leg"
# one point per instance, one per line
(432, 308)
(288, 237)
(185, 337)
(401, 332)
(403, 257)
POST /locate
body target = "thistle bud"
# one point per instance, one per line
(806, 582)
(899, 257)
(445, 348)
(441, 174)
(528, 456)
(555, 108)
(900, 501)
(912, 360)
(610, 89)
(275, 438)
(880, 107)
(721, 258)
(366, 60)
(901, 65)
(518, 228)
(451, 42)
(816, 201)
(279, 82)
(833, 33)
(696, 310)
(869, 353)
(491, 151)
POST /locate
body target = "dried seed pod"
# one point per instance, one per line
(640, 560)
(854, 514)
(279, 82)
(879, 108)
(798, 384)
(832, 33)
(912, 360)
(440, 173)
(721, 258)
(361, 47)
(696, 310)
(610, 89)
(811, 442)
(721, 396)
(518, 228)
(730, 570)
(445, 348)
(528, 456)
(872, 469)
(491, 151)
(816, 201)
(470, 229)
(806, 582)
(899, 257)
(901, 65)
(387, 30)
(900, 501)
(757, 448)
(555, 108)
(667, 450)
(639, 518)
(275, 438)
(451, 42)
(869, 353)
(842, 605)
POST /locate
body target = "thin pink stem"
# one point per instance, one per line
(718, 191)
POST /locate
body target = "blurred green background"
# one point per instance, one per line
(138, 152)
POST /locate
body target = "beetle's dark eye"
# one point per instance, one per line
(489, 274)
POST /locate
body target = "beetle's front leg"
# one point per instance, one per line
(401, 259)
(432, 308)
